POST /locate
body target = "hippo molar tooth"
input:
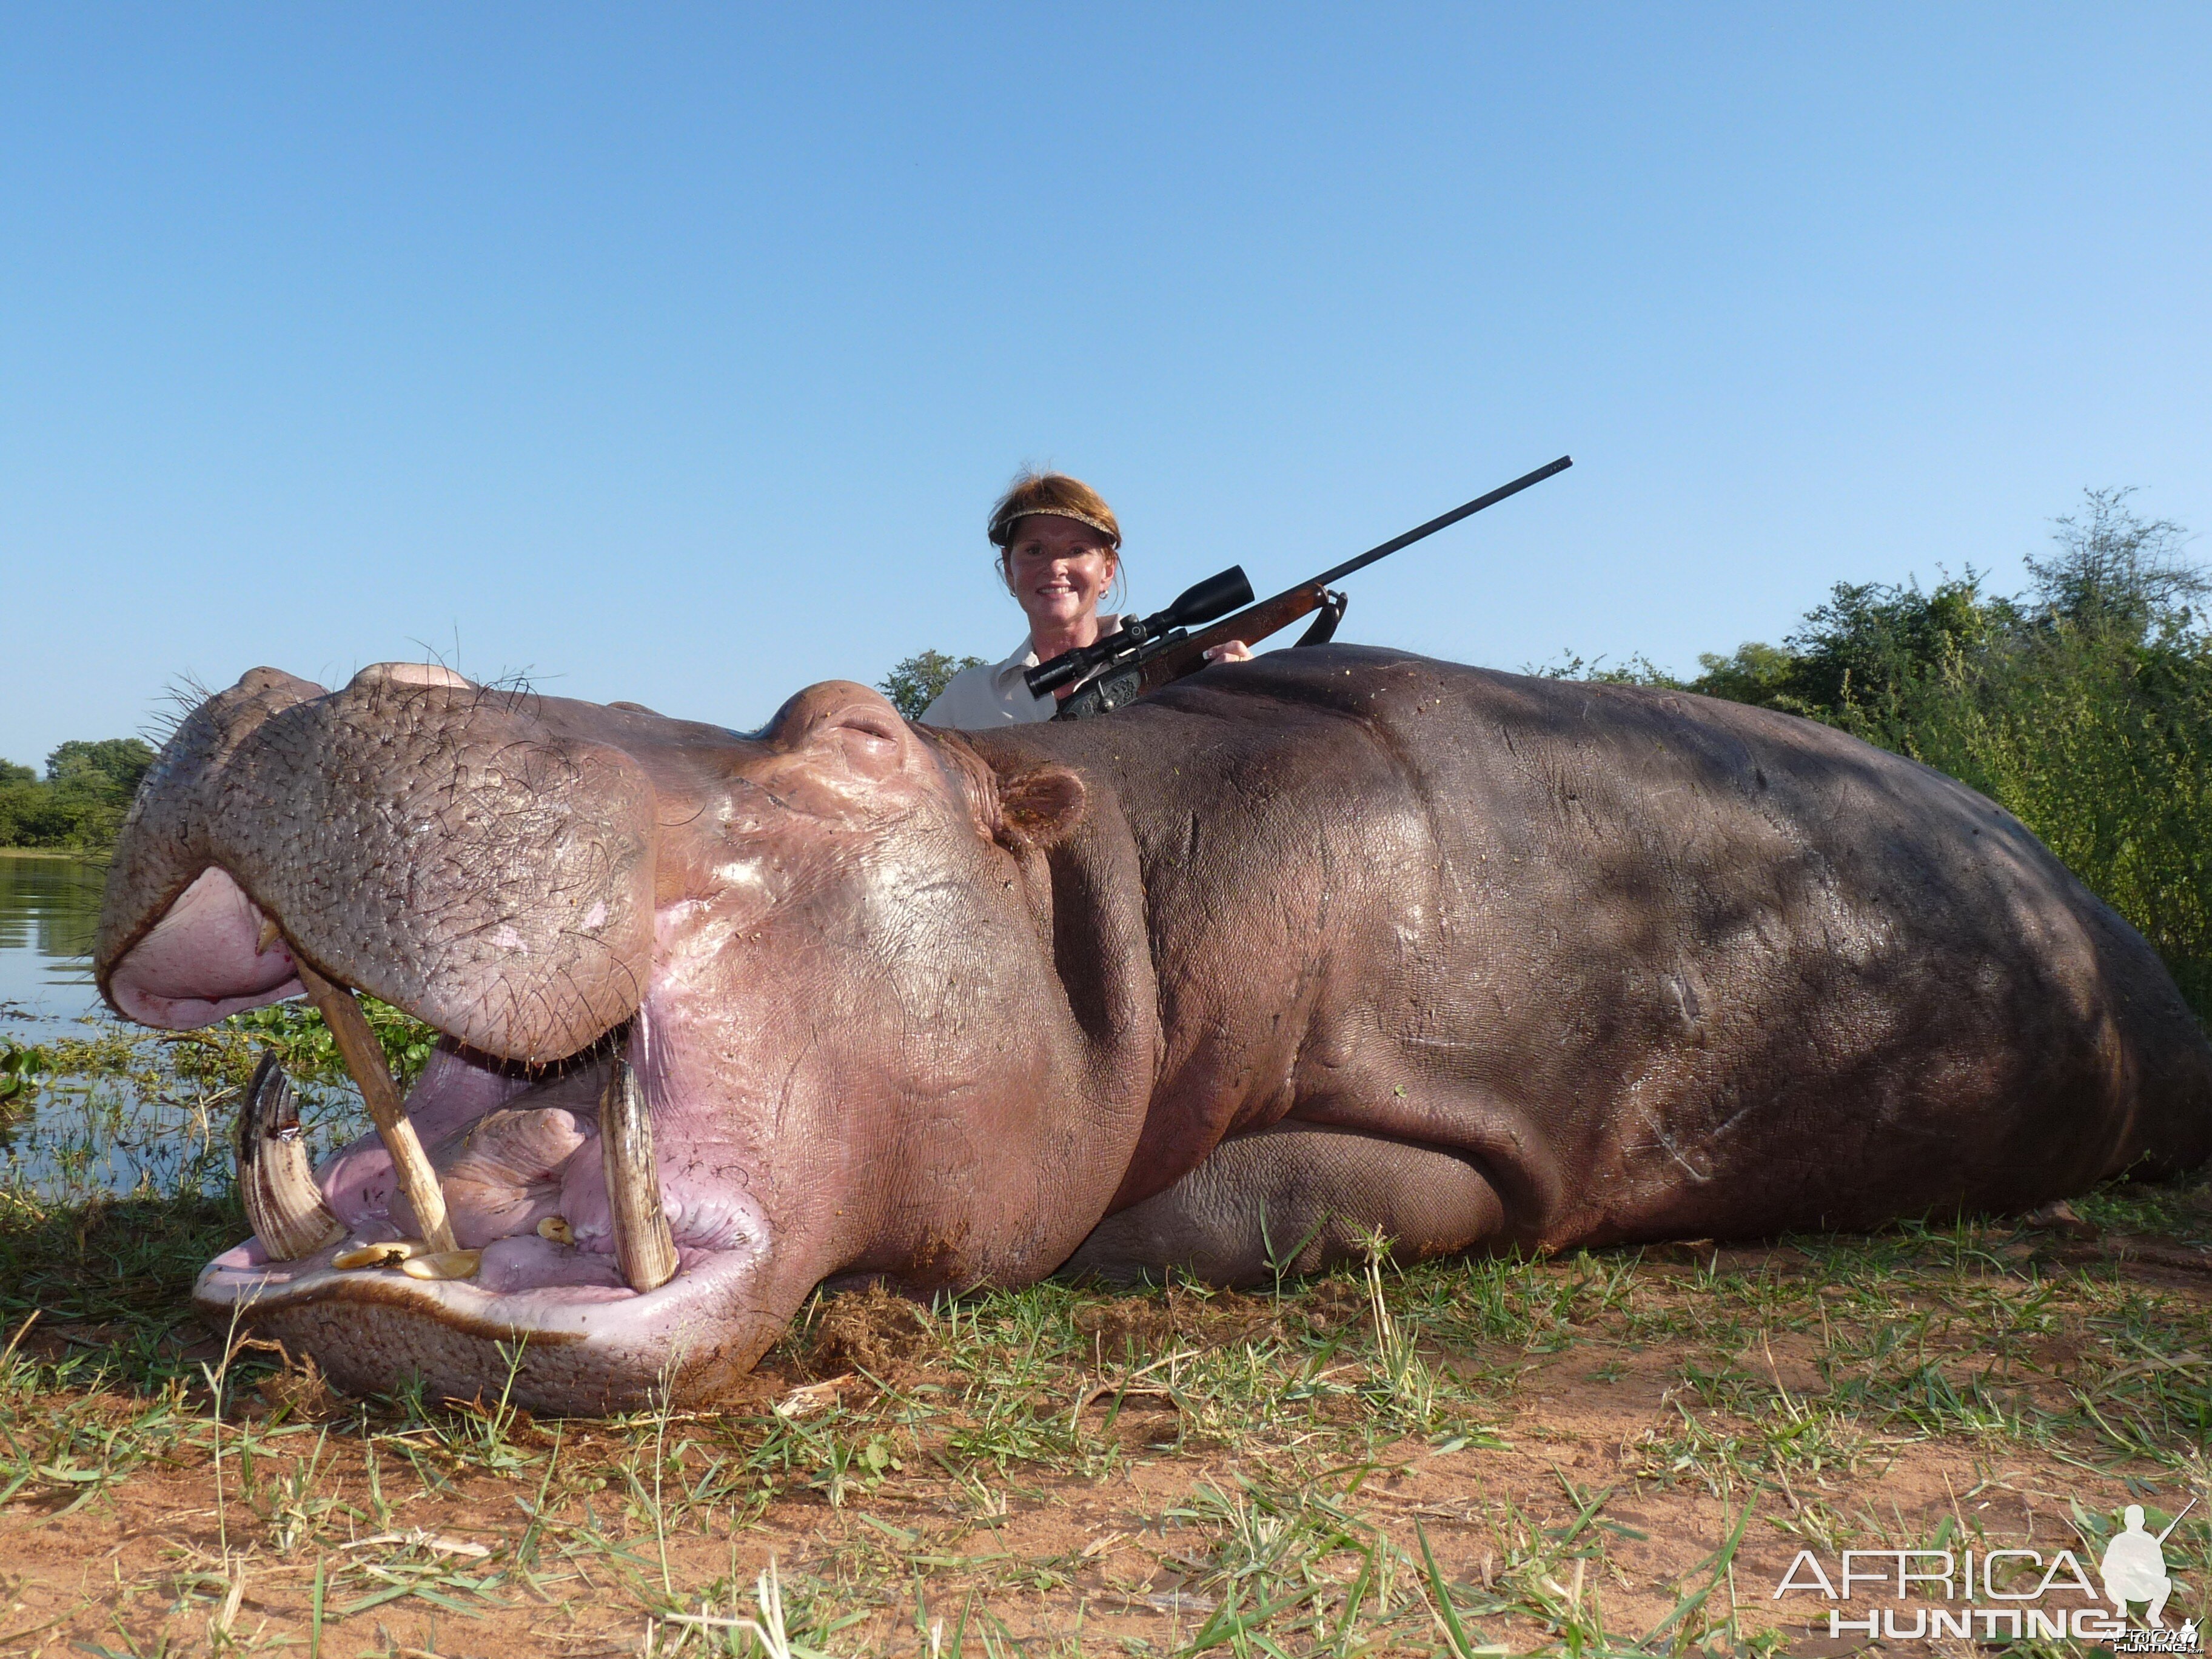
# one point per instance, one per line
(389, 1254)
(443, 1264)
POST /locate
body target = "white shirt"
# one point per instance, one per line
(992, 693)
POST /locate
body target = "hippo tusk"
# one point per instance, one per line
(274, 1182)
(644, 1249)
(364, 1058)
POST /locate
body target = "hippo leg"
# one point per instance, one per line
(1294, 1199)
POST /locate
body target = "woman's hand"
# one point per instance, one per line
(1229, 651)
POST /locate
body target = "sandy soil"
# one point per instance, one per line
(1582, 1503)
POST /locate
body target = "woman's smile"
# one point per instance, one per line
(1059, 570)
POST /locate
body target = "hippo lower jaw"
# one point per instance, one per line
(553, 1346)
(547, 1321)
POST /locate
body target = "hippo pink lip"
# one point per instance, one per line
(515, 1146)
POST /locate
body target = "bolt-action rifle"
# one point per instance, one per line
(1149, 652)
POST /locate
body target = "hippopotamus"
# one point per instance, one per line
(1339, 949)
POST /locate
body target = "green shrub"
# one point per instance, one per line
(913, 682)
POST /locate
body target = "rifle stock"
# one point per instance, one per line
(1270, 615)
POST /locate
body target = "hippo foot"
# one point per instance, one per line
(1292, 1200)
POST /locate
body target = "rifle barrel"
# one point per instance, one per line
(2176, 1522)
(1446, 520)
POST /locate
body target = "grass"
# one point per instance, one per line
(1601, 1452)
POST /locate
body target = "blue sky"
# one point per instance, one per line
(675, 353)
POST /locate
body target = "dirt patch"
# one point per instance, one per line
(876, 1331)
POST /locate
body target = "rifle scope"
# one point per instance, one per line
(1209, 601)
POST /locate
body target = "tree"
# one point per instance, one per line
(81, 801)
(2113, 572)
(1757, 673)
(112, 764)
(2083, 705)
(913, 682)
(1871, 643)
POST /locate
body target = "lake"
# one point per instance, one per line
(49, 908)
(114, 1111)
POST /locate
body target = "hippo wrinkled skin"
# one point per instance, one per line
(1339, 939)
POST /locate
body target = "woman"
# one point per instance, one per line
(1059, 550)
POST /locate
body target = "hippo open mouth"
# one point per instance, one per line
(566, 1218)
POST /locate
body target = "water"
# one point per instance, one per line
(116, 1108)
(49, 906)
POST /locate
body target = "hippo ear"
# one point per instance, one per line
(1039, 807)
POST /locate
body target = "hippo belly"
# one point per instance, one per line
(1337, 946)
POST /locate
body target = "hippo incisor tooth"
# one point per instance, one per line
(389, 1254)
(274, 1182)
(443, 1264)
(643, 1247)
(364, 1058)
(557, 1228)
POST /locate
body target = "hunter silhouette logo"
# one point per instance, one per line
(2134, 1567)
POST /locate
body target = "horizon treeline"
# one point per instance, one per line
(2082, 706)
(78, 806)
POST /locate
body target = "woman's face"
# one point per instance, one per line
(1058, 569)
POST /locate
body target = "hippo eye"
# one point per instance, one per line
(869, 740)
(867, 723)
